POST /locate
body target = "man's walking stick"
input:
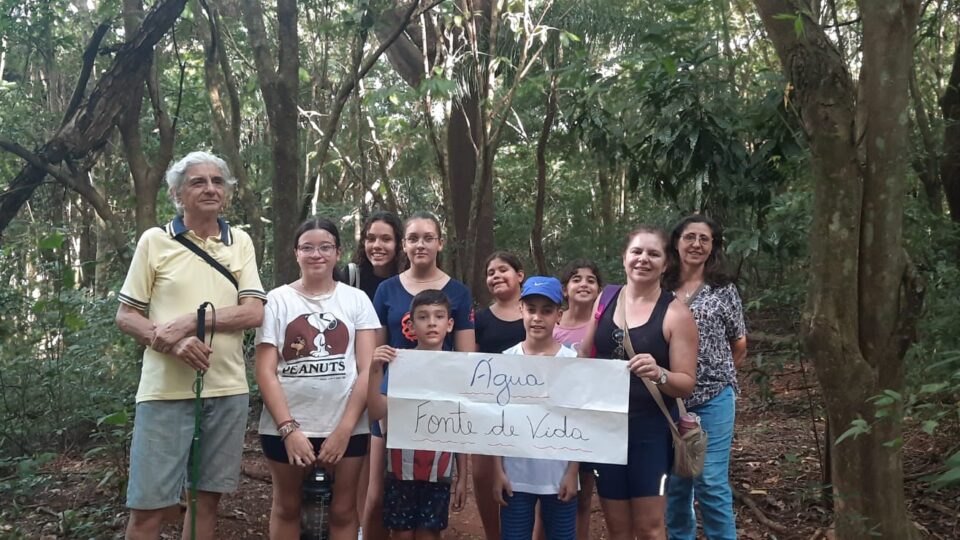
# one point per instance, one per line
(197, 414)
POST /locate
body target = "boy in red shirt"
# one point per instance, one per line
(418, 486)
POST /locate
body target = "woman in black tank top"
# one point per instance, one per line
(664, 338)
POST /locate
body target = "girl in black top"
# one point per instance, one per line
(664, 338)
(497, 328)
(379, 257)
(500, 326)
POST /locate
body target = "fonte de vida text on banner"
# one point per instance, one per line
(547, 407)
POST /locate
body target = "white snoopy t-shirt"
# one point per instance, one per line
(317, 367)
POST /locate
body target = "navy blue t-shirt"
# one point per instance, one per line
(392, 303)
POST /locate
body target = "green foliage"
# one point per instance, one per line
(64, 365)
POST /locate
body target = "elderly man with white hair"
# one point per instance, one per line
(197, 257)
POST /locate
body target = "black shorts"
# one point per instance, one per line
(649, 458)
(414, 504)
(275, 450)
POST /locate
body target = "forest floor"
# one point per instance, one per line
(775, 470)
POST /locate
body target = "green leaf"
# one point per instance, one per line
(52, 241)
(94, 452)
(933, 388)
(930, 426)
(953, 461)
(118, 418)
(882, 401)
(894, 395)
(952, 476)
(857, 427)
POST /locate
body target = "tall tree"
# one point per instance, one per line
(147, 176)
(861, 301)
(219, 80)
(950, 166)
(489, 74)
(279, 85)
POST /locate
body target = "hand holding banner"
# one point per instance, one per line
(548, 407)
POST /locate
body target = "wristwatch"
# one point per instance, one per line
(662, 378)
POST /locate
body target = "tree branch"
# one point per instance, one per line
(343, 92)
(32, 159)
(89, 57)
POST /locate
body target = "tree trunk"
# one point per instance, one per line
(855, 327)
(218, 76)
(536, 233)
(87, 254)
(147, 177)
(279, 85)
(927, 167)
(463, 176)
(950, 166)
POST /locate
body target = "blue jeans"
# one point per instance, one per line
(559, 518)
(712, 488)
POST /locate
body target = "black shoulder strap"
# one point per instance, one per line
(210, 260)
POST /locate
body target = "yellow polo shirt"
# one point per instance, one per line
(166, 280)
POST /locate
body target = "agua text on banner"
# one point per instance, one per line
(572, 409)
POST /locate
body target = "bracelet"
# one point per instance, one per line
(286, 428)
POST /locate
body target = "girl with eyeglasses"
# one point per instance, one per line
(313, 351)
(664, 338)
(696, 273)
(422, 244)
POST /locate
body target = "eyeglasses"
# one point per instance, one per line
(323, 249)
(427, 240)
(693, 237)
(619, 351)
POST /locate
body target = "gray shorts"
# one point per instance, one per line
(160, 451)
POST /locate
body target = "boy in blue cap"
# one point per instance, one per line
(520, 482)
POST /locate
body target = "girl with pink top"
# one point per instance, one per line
(581, 287)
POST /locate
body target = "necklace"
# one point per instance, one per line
(320, 295)
(415, 280)
(688, 294)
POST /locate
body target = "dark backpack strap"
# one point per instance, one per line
(210, 260)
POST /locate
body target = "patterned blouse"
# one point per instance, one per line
(719, 315)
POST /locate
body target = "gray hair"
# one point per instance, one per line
(177, 173)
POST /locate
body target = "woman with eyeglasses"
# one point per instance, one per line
(664, 339)
(696, 273)
(313, 352)
(422, 244)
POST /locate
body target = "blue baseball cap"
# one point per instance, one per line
(544, 286)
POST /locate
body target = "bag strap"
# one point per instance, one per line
(605, 297)
(210, 260)
(353, 275)
(620, 318)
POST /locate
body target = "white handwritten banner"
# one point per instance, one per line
(572, 409)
